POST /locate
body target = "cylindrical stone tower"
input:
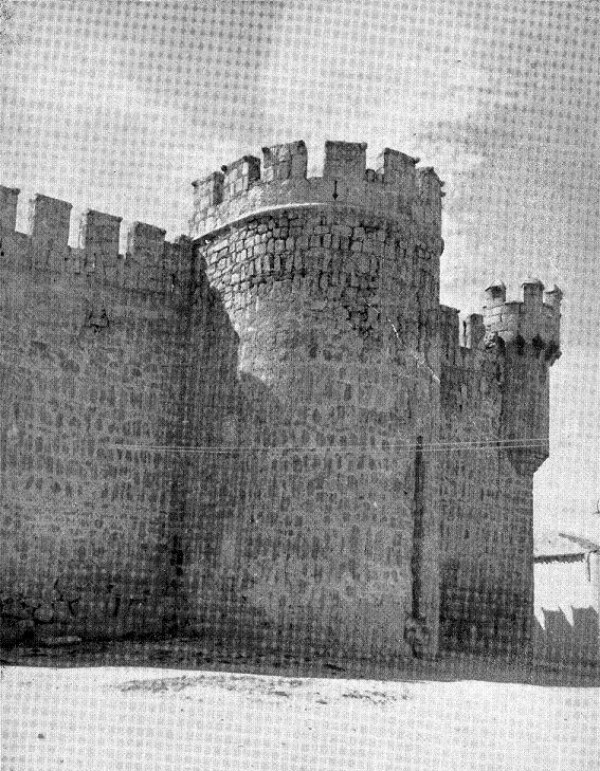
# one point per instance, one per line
(324, 500)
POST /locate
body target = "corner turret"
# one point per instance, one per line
(533, 322)
(528, 332)
(519, 341)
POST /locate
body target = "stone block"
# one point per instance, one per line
(44, 614)
(9, 197)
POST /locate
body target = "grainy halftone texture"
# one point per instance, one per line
(118, 106)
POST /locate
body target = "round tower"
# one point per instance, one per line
(325, 504)
(529, 334)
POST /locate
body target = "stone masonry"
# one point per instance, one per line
(269, 434)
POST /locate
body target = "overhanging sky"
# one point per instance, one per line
(119, 105)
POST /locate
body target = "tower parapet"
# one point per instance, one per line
(395, 190)
(533, 321)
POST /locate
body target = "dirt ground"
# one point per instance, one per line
(174, 706)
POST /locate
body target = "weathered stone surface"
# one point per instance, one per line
(13, 632)
(271, 437)
(329, 394)
(87, 415)
(44, 614)
(58, 641)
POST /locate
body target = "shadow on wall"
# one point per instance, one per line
(563, 640)
(478, 617)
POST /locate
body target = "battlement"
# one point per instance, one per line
(149, 263)
(460, 337)
(533, 321)
(9, 197)
(396, 189)
(449, 326)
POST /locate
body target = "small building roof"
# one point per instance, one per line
(562, 546)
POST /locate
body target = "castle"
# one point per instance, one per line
(269, 434)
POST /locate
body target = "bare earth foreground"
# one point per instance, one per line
(433, 716)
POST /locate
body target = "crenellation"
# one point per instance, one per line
(208, 191)
(398, 170)
(99, 235)
(239, 176)
(473, 331)
(285, 161)
(429, 190)
(533, 294)
(145, 254)
(393, 190)
(495, 295)
(9, 197)
(179, 266)
(345, 162)
(527, 320)
(49, 227)
(149, 263)
(510, 321)
(449, 333)
(553, 298)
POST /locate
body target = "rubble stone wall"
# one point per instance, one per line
(337, 380)
(270, 433)
(92, 356)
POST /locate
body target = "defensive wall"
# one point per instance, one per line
(94, 347)
(268, 434)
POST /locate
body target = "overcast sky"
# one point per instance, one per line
(119, 105)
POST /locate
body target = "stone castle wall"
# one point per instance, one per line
(330, 308)
(92, 374)
(263, 435)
